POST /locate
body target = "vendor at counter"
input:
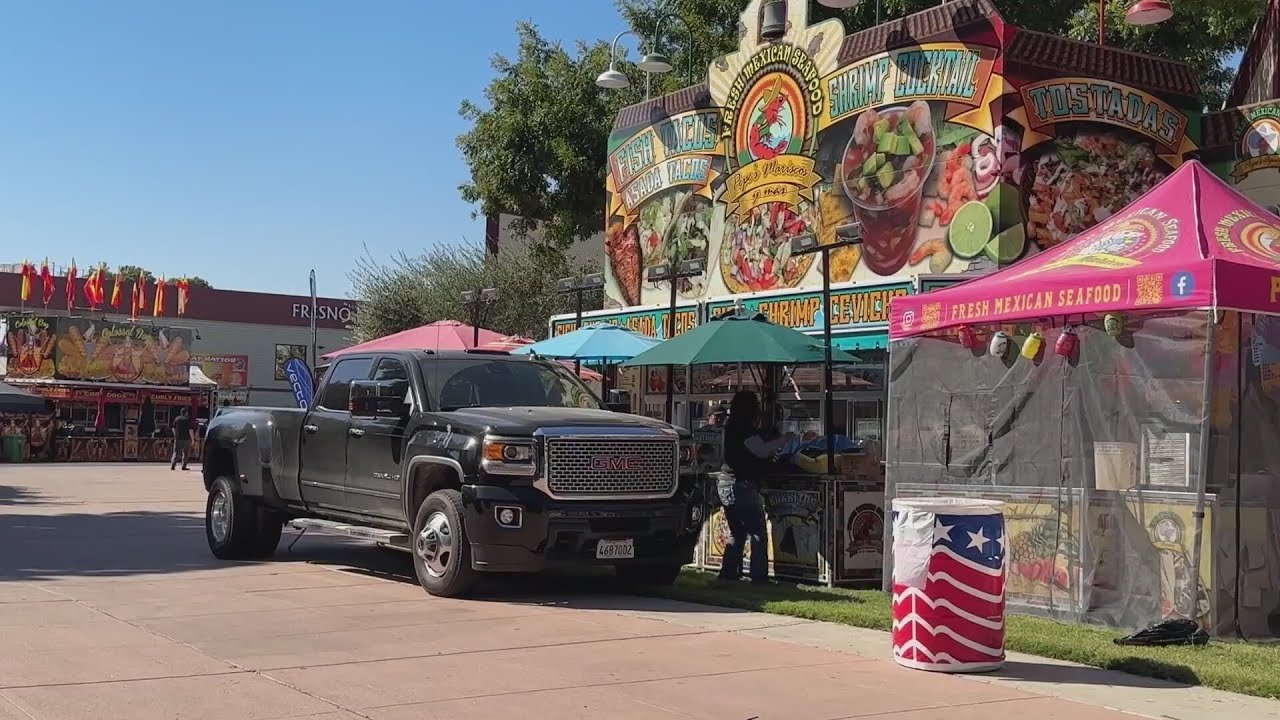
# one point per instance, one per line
(747, 461)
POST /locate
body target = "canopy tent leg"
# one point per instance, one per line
(1206, 398)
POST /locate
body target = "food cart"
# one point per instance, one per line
(798, 494)
(1121, 394)
(114, 386)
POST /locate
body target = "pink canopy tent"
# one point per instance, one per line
(507, 343)
(440, 335)
(1191, 242)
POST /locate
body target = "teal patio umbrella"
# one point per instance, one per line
(598, 343)
(740, 338)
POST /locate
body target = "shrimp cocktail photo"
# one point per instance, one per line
(883, 171)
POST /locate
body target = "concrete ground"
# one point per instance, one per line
(112, 607)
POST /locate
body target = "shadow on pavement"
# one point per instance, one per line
(140, 543)
(17, 496)
(1173, 675)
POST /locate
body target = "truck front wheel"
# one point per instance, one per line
(230, 522)
(441, 551)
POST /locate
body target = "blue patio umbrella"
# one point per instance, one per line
(598, 343)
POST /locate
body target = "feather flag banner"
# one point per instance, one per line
(158, 309)
(91, 289)
(184, 295)
(46, 279)
(28, 277)
(115, 291)
(71, 285)
(138, 301)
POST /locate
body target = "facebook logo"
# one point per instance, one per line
(1182, 284)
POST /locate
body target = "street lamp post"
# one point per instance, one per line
(1142, 12)
(804, 245)
(666, 272)
(475, 301)
(651, 63)
(576, 287)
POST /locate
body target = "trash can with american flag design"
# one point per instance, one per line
(948, 584)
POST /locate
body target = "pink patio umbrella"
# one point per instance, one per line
(440, 335)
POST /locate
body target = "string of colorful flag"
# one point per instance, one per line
(94, 289)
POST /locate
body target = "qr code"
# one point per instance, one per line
(931, 315)
(1150, 289)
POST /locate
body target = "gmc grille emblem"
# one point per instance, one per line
(616, 463)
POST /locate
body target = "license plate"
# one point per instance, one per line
(616, 549)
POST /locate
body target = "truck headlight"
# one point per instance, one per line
(500, 456)
(688, 455)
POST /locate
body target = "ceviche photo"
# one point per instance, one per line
(1082, 180)
(756, 252)
(883, 171)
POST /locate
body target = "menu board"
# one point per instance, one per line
(1166, 457)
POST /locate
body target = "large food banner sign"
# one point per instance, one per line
(29, 344)
(959, 151)
(1088, 147)
(793, 141)
(96, 350)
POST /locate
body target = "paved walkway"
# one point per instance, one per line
(111, 607)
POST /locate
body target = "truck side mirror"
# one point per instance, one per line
(619, 401)
(379, 398)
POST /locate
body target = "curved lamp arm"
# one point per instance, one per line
(657, 33)
(613, 49)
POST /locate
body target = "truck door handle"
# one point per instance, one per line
(355, 432)
(311, 429)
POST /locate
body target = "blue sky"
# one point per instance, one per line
(247, 140)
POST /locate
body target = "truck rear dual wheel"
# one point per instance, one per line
(441, 550)
(237, 528)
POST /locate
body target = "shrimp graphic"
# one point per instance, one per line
(760, 137)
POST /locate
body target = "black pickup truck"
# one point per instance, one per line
(472, 461)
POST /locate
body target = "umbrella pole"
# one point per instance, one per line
(670, 410)
(828, 401)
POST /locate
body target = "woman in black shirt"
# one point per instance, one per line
(746, 461)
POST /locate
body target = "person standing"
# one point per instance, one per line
(184, 436)
(746, 461)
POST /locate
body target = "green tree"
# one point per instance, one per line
(132, 272)
(408, 291)
(537, 147)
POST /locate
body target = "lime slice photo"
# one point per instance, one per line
(1008, 246)
(970, 230)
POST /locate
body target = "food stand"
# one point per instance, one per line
(1121, 393)
(115, 387)
(798, 493)
(948, 142)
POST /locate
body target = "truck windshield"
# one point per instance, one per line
(477, 382)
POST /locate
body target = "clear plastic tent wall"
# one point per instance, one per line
(1098, 456)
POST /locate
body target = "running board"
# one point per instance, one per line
(388, 538)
